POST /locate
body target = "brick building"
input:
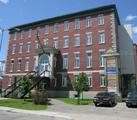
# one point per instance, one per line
(135, 57)
(66, 46)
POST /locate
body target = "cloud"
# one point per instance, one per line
(4, 1)
(135, 29)
(131, 17)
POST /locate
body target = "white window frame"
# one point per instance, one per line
(64, 80)
(88, 21)
(90, 80)
(101, 59)
(87, 38)
(56, 27)
(91, 59)
(9, 81)
(13, 48)
(37, 31)
(11, 65)
(20, 50)
(22, 34)
(19, 65)
(66, 39)
(102, 38)
(76, 59)
(46, 42)
(15, 35)
(46, 29)
(77, 23)
(29, 33)
(76, 40)
(101, 19)
(65, 61)
(66, 25)
(56, 42)
(28, 47)
(104, 81)
(27, 64)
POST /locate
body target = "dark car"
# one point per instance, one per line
(105, 98)
(131, 99)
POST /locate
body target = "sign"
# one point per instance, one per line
(111, 70)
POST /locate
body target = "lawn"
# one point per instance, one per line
(21, 104)
(74, 101)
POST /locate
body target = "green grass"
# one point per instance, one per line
(21, 104)
(74, 101)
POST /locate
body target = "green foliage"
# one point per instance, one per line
(74, 101)
(80, 84)
(21, 104)
(25, 84)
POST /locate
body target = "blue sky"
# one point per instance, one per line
(16, 12)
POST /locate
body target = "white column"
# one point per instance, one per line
(51, 65)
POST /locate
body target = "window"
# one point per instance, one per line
(36, 45)
(46, 43)
(89, 59)
(46, 29)
(66, 42)
(55, 44)
(15, 35)
(101, 37)
(65, 61)
(56, 27)
(66, 25)
(27, 65)
(101, 19)
(64, 80)
(22, 35)
(9, 81)
(38, 31)
(19, 64)
(77, 23)
(88, 22)
(89, 80)
(77, 60)
(20, 48)
(101, 57)
(29, 33)
(88, 38)
(76, 40)
(13, 49)
(28, 48)
(35, 64)
(11, 65)
(102, 80)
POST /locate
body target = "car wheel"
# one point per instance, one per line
(96, 104)
(128, 105)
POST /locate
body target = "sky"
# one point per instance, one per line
(17, 12)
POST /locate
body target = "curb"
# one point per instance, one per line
(43, 113)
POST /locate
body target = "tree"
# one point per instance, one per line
(25, 84)
(80, 84)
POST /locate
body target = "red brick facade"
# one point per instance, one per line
(135, 58)
(94, 47)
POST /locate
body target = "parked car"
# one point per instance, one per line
(105, 98)
(131, 99)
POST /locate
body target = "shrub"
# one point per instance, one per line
(39, 97)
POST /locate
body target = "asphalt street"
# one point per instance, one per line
(8, 115)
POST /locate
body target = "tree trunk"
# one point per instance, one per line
(82, 95)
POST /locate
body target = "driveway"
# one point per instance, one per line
(119, 112)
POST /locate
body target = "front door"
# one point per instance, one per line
(44, 65)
